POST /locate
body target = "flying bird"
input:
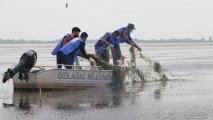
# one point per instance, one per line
(67, 5)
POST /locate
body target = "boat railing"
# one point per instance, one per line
(75, 67)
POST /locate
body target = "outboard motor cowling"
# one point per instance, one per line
(26, 63)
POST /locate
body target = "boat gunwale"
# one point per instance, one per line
(68, 70)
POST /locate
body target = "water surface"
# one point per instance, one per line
(188, 96)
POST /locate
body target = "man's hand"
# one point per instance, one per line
(139, 49)
(92, 62)
(107, 43)
(136, 46)
(122, 59)
(110, 46)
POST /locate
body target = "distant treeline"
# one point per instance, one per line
(27, 41)
(94, 41)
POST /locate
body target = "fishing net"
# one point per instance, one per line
(133, 71)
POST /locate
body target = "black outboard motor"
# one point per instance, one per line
(26, 63)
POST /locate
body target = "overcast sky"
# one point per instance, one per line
(154, 19)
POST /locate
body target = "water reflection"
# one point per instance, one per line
(21, 103)
(70, 100)
(24, 104)
(159, 90)
(83, 99)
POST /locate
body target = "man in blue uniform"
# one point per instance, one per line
(74, 48)
(68, 37)
(103, 44)
(125, 37)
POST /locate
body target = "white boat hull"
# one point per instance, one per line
(65, 78)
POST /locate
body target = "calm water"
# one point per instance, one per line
(188, 95)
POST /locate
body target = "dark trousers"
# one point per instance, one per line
(115, 55)
(68, 61)
(102, 55)
(65, 59)
(59, 59)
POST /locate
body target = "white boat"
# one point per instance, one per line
(41, 77)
